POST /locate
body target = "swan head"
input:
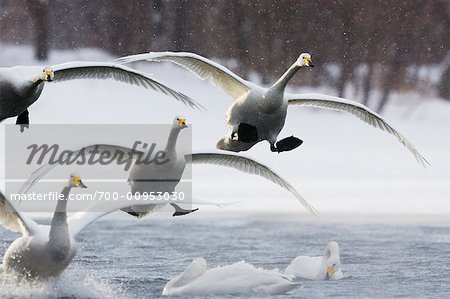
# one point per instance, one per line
(304, 60)
(332, 259)
(180, 122)
(75, 181)
(47, 74)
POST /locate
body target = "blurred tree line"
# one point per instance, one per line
(388, 44)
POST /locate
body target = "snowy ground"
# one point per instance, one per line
(344, 166)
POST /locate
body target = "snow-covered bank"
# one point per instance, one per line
(343, 166)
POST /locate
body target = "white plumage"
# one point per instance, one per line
(238, 278)
(326, 267)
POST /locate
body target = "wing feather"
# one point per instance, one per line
(204, 68)
(103, 71)
(80, 220)
(358, 110)
(249, 166)
(11, 219)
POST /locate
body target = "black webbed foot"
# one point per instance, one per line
(247, 133)
(286, 144)
(179, 211)
(133, 213)
(23, 120)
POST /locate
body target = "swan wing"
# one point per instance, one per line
(11, 219)
(39, 173)
(80, 220)
(213, 203)
(358, 110)
(204, 68)
(306, 267)
(118, 72)
(249, 166)
(193, 271)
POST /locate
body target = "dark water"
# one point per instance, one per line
(130, 259)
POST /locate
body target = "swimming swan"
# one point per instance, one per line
(165, 177)
(238, 278)
(21, 86)
(259, 113)
(326, 267)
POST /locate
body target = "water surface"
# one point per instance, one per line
(123, 258)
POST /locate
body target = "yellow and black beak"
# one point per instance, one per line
(308, 62)
(48, 75)
(182, 122)
(330, 272)
(77, 182)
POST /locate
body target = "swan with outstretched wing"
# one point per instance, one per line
(258, 113)
(21, 86)
(154, 177)
(45, 251)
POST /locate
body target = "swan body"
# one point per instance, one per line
(21, 86)
(248, 109)
(263, 111)
(30, 257)
(165, 177)
(326, 267)
(17, 94)
(238, 278)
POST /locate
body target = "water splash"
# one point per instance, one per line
(89, 287)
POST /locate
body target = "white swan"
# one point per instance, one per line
(259, 113)
(161, 178)
(238, 278)
(21, 86)
(165, 177)
(147, 178)
(326, 267)
(44, 251)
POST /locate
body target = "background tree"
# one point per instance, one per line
(383, 44)
(39, 13)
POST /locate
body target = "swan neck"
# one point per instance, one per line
(62, 203)
(172, 141)
(280, 85)
(59, 230)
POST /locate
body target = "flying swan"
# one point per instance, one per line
(165, 177)
(259, 113)
(21, 86)
(45, 251)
